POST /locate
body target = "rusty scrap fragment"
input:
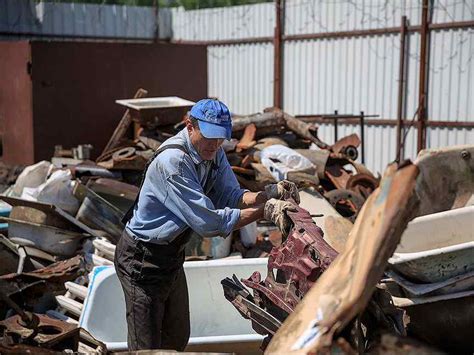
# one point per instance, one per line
(293, 267)
(47, 333)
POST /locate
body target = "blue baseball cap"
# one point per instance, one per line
(213, 117)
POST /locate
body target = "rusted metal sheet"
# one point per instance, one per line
(48, 214)
(99, 214)
(27, 287)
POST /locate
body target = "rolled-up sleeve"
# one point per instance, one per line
(186, 199)
(227, 191)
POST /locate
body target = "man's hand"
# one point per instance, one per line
(275, 211)
(283, 190)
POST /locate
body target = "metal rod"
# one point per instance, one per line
(401, 87)
(390, 122)
(422, 89)
(335, 126)
(268, 40)
(277, 56)
(362, 136)
(334, 35)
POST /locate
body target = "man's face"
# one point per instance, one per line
(206, 147)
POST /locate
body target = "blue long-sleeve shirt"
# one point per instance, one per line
(172, 196)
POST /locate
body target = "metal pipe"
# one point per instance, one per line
(254, 40)
(390, 122)
(335, 126)
(332, 35)
(422, 89)
(401, 87)
(362, 136)
(277, 55)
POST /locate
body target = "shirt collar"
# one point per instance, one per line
(189, 146)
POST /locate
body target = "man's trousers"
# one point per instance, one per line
(156, 294)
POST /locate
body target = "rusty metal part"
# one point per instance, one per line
(48, 333)
(113, 187)
(61, 271)
(304, 130)
(347, 286)
(98, 213)
(27, 319)
(447, 176)
(123, 126)
(401, 88)
(423, 76)
(269, 141)
(348, 203)
(124, 153)
(260, 120)
(243, 171)
(49, 214)
(446, 324)
(397, 345)
(248, 139)
(27, 287)
(363, 184)
(278, 76)
(262, 321)
(337, 175)
(342, 144)
(262, 174)
(295, 265)
(251, 185)
(303, 179)
(319, 158)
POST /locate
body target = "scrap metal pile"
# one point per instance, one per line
(63, 218)
(314, 300)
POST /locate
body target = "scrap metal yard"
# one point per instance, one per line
(321, 200)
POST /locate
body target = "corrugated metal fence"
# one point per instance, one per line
(30, 19)
(349, 73)
(332, 60)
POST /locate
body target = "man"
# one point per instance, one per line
(188, 186)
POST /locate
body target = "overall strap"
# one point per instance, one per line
(129, 213)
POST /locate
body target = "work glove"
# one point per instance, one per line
(283, 190)
(276, 211)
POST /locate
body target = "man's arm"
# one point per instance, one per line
(252, 199)
(249, 215)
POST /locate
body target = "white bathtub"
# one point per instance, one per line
(215, 324)
(437, 247)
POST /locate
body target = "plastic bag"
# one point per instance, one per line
(279, 160)
(32, 177)
(57, 190)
